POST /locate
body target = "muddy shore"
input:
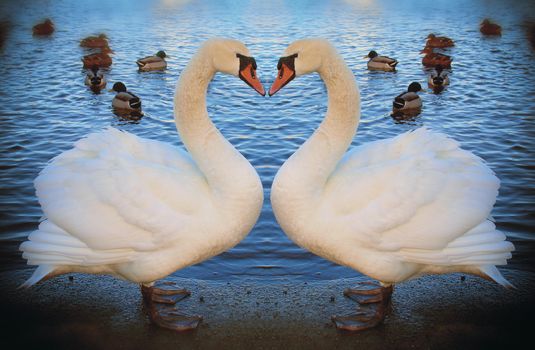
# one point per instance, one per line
(437, 312)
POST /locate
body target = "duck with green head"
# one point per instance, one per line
(125, 100)
(156, 62)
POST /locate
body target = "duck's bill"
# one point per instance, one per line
(284, 76)
(249, 76)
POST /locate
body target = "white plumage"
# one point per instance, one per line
(140, 209)
(393, 209)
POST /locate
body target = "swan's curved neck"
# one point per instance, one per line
(316, 159)
(222, 165)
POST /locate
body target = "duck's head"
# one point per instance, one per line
(161, 54)
(431, 36)
(48, 21)
(371, 54)
(118, 87)
(232, 57)
(300, 58)
(414, 87)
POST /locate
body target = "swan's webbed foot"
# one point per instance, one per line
(160, 300)
(374, 301)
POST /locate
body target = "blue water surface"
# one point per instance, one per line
(45, 107)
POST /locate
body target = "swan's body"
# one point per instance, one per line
(140, 209)
(156, 62)
(393, 209)
(383, 63)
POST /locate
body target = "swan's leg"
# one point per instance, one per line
(160, 299)
(374, 300)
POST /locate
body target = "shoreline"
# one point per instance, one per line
(101, 312)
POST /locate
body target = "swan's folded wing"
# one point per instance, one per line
(415, 191)
(115, 191)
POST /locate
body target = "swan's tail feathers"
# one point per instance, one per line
(494, 274)
(52, 246)
(478, 251)
(40, 272)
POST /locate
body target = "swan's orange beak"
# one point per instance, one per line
(286, 67)
(284, 76)
(248, 75)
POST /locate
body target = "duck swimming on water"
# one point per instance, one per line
(438, 78)
(125, 100)
(409, 100)
(377, 62)
(95, 80)
(156, 62)
(438, 41)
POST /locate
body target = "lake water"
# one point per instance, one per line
(45, 107)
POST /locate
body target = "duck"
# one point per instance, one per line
(408, 100)
(394, 209)
(95, 80)
(433, 59)
(100, 59)
(124, 100)
(44, 28)
(140, 209)
(94, 42)
(377, 62)
(156, 62)
(438, 78)
(438, 41)
(487, 27)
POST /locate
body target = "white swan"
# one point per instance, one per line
(140, 209)
(393, 209)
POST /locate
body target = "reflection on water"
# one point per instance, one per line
(45, 106)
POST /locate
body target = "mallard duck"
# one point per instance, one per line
(156, 62)
(438, 78)
(488, 27)
(95, 80)
(408, 100)
(100, 59)
(377, 62)
(99, 41)
(433, 59)
(438, 41)
(125, 100)
(45, 28)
